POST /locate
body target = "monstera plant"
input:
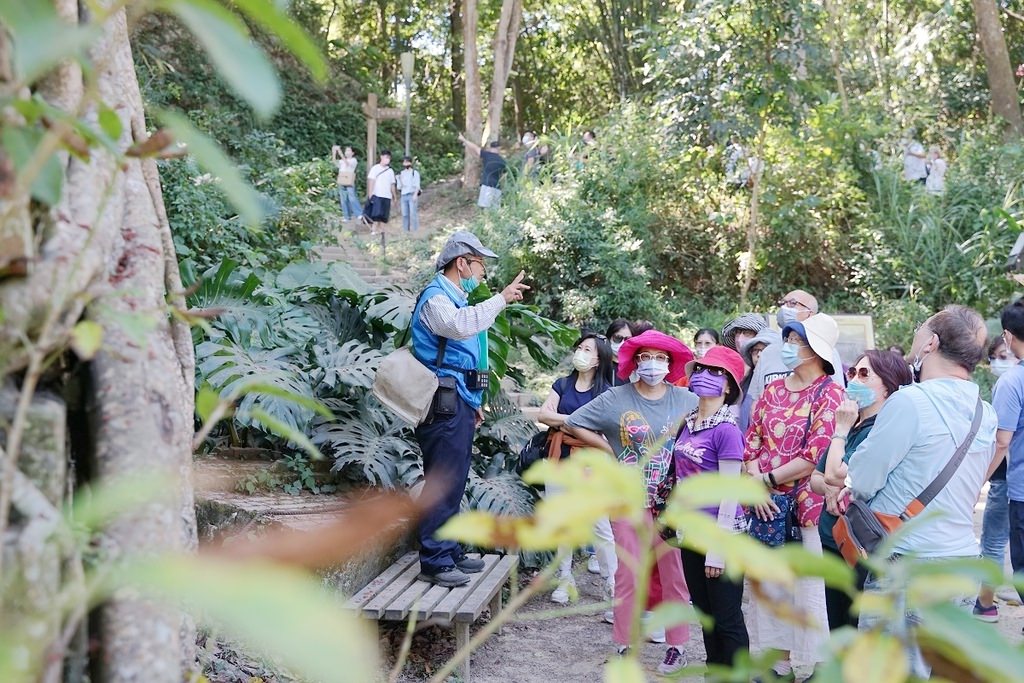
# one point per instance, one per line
(300, 349)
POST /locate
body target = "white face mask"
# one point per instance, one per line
(1001, 365)
(615, 347)
(652, 372)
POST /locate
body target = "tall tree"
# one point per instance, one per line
(456, 70)
(474, 109)
(505, 36)
(1003, 89)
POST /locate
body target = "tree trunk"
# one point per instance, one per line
(1005, 102)
(474, 108)
(505, 36)
(456, 73)
(836, 51)
(107, 253)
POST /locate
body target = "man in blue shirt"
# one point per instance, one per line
(915, 435)
(450, 337)
(1008, 400)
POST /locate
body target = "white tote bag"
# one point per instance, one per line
(405, 385)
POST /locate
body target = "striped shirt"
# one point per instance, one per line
(442, 318)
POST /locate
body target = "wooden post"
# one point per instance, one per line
(461, 640)
(370, 109)
(495, 609)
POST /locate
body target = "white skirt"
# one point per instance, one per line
(769, 632)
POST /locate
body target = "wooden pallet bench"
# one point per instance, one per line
(394, 595)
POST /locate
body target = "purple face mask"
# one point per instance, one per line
(706, 385)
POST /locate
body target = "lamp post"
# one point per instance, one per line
(408, 61)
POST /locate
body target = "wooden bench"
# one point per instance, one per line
(394, 595)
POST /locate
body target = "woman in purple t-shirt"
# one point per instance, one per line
(711, 441)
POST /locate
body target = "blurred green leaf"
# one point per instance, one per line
(669, 614)
(209, 155)
(280, 392)
(876, 657)
(237, 58)
(742, 554)
(283, 613)
(207, 400)
(21, 145)
(693, 493)
(33, 27)
(286, 432)
(110, 123)
(972, 644)
(275, 21)
(624, 670)
(86, 339)
(95, 506)
(832, 569)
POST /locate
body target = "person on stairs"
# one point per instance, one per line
(450, 337)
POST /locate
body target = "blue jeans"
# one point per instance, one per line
(410, 212)
(995, 526)
(350, 206)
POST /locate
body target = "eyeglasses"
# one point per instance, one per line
(618, 338)
(646, 357)
(471, 261)
(717, 372)
(854, 373)
(792, 303)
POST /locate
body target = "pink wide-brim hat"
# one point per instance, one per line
(679, 354)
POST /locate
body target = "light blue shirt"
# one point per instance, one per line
(914, 437)
(1008, 400)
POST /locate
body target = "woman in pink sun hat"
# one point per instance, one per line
(637, 424)
(711, 441)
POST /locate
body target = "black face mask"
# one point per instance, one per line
(407, 167)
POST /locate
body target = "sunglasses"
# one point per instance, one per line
(647, 357)
(854, 373)
(618, 338)
(717, 372)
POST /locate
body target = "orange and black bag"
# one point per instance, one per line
(860, 530)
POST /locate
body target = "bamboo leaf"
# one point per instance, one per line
(271, 18)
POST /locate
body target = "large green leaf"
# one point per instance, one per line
(238, 59)
(231, 367)
(369, 438)
(353, 363)
(506, 423)
(21, 144)
(504, 494)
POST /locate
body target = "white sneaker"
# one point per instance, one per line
(593, 566)
(561, 595)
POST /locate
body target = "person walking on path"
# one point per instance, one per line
(791, 427)
(875, 377)
(591, 376)
(917, 434)
(347, 197)
(494, 167)
(450, 337)
(409, 187)
(637, 424)
(915, 162)
(936, 181)
(380, 186)
(710, 441)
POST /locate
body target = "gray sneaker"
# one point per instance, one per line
(449, 577)
(470, 565)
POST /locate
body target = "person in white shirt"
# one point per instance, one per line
(347, 163)
(915, 162)
(409, 187)
(380, 186)
(936, 182)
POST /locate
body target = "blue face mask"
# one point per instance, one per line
(791, 355)
(861, 393)
(468, 284)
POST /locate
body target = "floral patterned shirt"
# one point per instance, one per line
(779, 433)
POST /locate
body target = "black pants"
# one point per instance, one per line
(447, 445)
(838, 604)
(721, 599)
(1017, 538)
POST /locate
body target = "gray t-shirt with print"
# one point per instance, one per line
(638, 428)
